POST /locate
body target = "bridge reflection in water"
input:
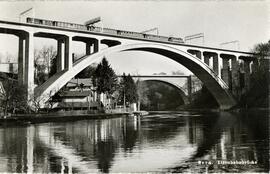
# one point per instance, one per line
(167, 142)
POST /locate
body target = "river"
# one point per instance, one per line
(173, 142)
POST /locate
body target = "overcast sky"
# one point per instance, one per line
(220, 21)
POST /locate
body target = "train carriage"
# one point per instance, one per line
(104, 30)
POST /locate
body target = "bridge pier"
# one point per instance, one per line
(21, 61)
(91, 44)
(59, 56)
(247, 74)
(68, 52)
(88, 46)
(254, 65)
(196, 53)
(225, 71)
(26, 62)
(189, 86)
(207, 56)
(216, 64)
(247, 69)
(230, 73)
(235, 75)
(96, 46)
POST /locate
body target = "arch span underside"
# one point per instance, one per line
(183, 95)
(216, 85)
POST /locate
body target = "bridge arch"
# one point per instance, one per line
(180, 90)
(216, 85)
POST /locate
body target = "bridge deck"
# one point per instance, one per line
(100, 33)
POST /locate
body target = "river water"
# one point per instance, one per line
(175, 142)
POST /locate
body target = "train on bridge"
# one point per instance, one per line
(103, 30)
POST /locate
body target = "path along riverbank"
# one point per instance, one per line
(24, 119)
(56, 117)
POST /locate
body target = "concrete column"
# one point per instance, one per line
(96, 46)
(199, 55)
(68, 52)
(255, 65)
(21, 61)
(196, 53)
(189, 86)
(225, 71)
(60, 57)
(88, 48)
(29, 63)
(206, 58)
(235, 77)
(216, 65)
(247, 74)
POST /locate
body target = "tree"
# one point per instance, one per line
(257, 96)
(45, 63)
(260, 74)
(262, 50)
(104, 78)
(56, 98)
(40, 76)
(128, 90)
(15, 98)
(53, 68)
(142, 92)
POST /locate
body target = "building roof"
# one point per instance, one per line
(77, 104)
(75, 94)
(76, 82)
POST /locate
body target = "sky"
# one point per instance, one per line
(220, 21)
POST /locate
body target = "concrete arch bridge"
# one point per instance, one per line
(216, 68)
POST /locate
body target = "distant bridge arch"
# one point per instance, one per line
(184, 95)
(212, 81)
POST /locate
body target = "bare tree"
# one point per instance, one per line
(43, 63)
(14, 98)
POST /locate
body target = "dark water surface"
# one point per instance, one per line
(179, 142)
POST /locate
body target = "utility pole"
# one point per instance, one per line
(150, 30)
(231, 42)
(91, 22)
(195, 36)
(25, 12)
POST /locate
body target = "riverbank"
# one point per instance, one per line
(234, 110)
(56, 117)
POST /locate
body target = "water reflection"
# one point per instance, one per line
(172, 142)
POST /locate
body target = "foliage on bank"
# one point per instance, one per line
(104, 78)
(202, 99)
(127, 90)
(258, 94)
(158, 96)
(15, 98)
